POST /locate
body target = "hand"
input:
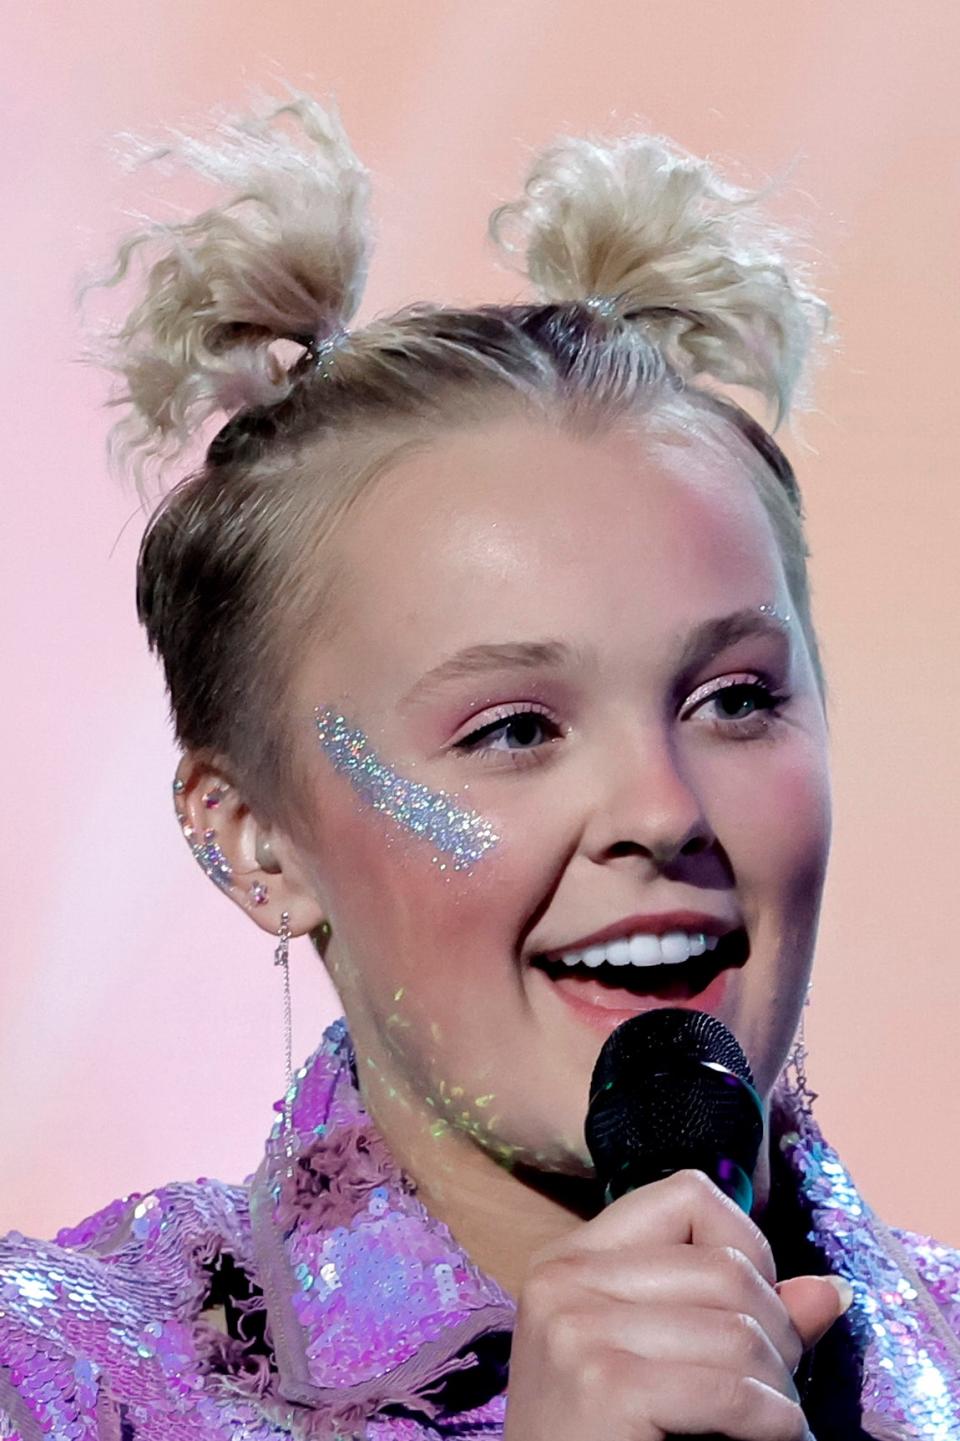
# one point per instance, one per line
(659, 1317)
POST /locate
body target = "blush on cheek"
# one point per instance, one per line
(457, 837)
(803, 795)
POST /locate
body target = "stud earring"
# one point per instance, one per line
(259, 894)
(206, 850)
(208, 855)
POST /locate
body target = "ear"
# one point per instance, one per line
(254, 864)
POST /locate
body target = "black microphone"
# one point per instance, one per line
(673, 1090)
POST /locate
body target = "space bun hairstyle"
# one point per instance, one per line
(658, 284)
(284, 259)
(651, 235)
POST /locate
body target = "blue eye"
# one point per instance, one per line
(736, 703)
(732, 699)
(520, 730)
(740, 708)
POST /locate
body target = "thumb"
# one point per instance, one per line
(814, 1303)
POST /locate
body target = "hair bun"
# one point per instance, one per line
(666, 240)
(285, 257)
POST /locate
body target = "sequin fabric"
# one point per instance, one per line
(368, 1307)
(906, 1310)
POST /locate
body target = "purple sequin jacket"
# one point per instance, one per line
(321, 1300)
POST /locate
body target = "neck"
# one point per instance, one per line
(500, 1215)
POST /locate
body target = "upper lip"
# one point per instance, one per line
(654, 925)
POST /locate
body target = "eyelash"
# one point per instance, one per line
(768, 703)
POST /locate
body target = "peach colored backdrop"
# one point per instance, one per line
(140, 1013)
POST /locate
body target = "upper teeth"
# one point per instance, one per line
(644, 950)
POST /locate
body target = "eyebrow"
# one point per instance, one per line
(705, 640)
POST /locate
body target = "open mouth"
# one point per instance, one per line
(613, 987)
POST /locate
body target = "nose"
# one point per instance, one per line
(646, 806)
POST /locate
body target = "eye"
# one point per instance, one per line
(523, 729)
(743, 704)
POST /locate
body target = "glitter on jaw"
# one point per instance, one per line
(433, 815)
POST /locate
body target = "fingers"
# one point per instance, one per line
(717, 1277)
(686, 1207)
(660, 1317)
(687, 1399)
(813, 1304)
(719, 1340)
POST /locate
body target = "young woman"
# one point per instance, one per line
(488, 640)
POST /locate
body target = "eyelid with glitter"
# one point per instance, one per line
(767, 712)
(470, 742)
(766, 696)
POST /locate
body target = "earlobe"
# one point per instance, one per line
(236, 852)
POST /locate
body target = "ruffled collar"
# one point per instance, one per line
(371, 1302)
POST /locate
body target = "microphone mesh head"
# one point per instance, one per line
(658, 1036)
(670, 1089)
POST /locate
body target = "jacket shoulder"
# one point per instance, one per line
(97, 1327)
(938, 1267)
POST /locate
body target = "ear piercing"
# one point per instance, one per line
(211, 859)
(281, 957)
(206, 850)
(209, 854)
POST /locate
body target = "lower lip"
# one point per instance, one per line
(591, 1003)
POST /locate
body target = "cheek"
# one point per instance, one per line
(776, 829)
(421, 938)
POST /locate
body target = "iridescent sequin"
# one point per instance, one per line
(434, 816)
(371, 1302)
(906, 1307)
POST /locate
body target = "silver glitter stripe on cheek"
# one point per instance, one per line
(433, 815)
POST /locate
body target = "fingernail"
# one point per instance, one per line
(843, 1289)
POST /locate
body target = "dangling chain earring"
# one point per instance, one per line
(797, 1061)
(281, 957)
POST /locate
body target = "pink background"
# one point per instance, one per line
(140, 1013)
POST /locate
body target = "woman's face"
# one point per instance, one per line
(587, 646)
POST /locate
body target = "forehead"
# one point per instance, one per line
(517, 530)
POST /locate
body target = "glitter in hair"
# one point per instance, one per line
(433, 815)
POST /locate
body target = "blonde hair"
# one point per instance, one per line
(658, 281)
